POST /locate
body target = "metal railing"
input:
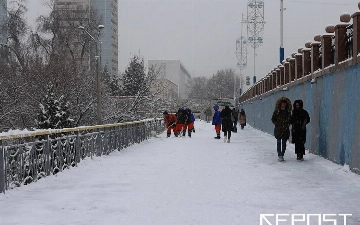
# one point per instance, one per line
(332, 57)
(349, 41)
(319, 60)
(29, 157)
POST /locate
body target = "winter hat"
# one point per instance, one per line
(216, 107)
(165, 113)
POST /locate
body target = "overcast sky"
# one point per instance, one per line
(202, 33)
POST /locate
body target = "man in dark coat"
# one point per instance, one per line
(227, 123)
(281, 120)
(298, 120)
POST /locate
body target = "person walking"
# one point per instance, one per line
(235, 114)
(217, 121)
(208, 114)
(281, 120)
(242, 119)
(298, 120)
(170, 123)
(227, 123)
(189, 125)
(182, 117)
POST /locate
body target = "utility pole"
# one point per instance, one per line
(255, 26)
(241, 52)
(281, 31)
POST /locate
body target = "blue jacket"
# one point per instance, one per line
(192, 117)
(216, 118)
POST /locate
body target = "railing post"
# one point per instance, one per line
(292, 69)
(278, 81)
(298, 65)
(274, 79)
(286, 72)
(326, 40)
(315, 53)
(356, 35)
(340, 43)
(2, 168)
(306, 60)
(47, 155)
(282, 75)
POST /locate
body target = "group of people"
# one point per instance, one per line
(180, 122)
(282, 118)
(226, 120)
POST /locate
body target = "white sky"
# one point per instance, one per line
(202, 33)
(198, 180)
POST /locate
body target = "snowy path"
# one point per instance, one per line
(197, 180)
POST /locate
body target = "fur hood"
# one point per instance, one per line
(288, 104)
(300, 102)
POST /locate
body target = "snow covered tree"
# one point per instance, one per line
(198, 88)
(134, 76)
(54, 113)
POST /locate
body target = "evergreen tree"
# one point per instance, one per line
(54, 113)
(134, 76)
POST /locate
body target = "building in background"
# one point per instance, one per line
(3, 19)
(108, 15)
(175, 72)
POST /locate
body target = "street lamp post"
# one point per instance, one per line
(98, 89)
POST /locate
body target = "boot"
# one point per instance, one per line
(184, 132)
(217, 136)
(168, 135)
(189, 134)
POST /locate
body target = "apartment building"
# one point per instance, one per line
(107, 12)
(174, 71)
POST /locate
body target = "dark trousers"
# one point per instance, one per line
(281, 146)
(299, 149)
(228, 133)
(234, 127)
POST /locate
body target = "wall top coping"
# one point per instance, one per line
(341, 25)
(277, 69)
(292, 59)
(327, 35)
(298, 54)
(315, 43)
(355, 14)
(286, 63)
(306, 49)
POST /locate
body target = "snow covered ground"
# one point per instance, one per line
(198, 180)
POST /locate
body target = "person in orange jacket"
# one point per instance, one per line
(170, 123)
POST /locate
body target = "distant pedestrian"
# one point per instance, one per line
(217, 121)
(189, 125)
(208, 114)
(281, 120)
(242, 119)
(227, 123)
(170, 123)
(299, 118)
(182, 117)
(235, 114)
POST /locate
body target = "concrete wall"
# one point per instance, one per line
(333, 105)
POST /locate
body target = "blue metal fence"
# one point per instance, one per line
(29, 157)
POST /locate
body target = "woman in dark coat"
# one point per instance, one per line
(281, 120)
(227, 123)
(298, 120)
